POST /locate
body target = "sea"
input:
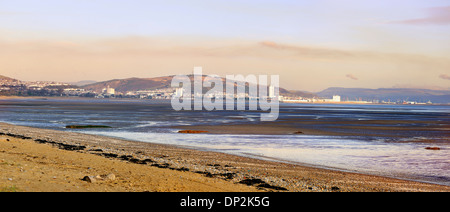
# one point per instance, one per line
(385, 140)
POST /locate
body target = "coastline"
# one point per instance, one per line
(168, 101)
(233, 173)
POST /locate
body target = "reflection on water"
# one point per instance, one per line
(378, 139)
(402, 160)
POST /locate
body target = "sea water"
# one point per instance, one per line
(372, 139)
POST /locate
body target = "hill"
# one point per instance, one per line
(82, 83)
(136, 84)
(131, 84)
(7, 79)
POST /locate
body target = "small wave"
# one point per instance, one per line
(161, 124)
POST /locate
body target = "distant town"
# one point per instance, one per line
(12, 87)
(338, 99)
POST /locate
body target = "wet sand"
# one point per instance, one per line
(48, 160)
(376, 128)
(253, 129)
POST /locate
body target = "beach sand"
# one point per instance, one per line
(33, 159)
(28, 166)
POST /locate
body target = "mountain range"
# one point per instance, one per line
(351, 94)
(135, 84)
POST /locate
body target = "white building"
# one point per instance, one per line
(179, 92)
(271, 91)
(108, 90)
(336, 98)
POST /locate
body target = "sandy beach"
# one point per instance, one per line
(31, 167)
(35, 159)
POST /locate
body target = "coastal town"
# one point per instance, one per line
(13, 87)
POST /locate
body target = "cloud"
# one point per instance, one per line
(311, 51)
(270, 44)
(300, 66)
(444, 76)
(351, 76)
(436, 16)
(270, 49)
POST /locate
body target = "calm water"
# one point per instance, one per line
(378, 144)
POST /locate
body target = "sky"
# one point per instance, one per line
(311, 45)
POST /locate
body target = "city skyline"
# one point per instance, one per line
(311, 45)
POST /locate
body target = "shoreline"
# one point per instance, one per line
(168, 101)
(232, 170)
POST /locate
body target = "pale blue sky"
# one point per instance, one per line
(390, 26)
(299, 21)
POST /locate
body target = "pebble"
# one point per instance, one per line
(90, 179)
(93, 179)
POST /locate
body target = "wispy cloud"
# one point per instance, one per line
(351, 76)
(436, 16)
(310, 51)
(345, 55)
(124, 57)
(271, 44)
(444, 76)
